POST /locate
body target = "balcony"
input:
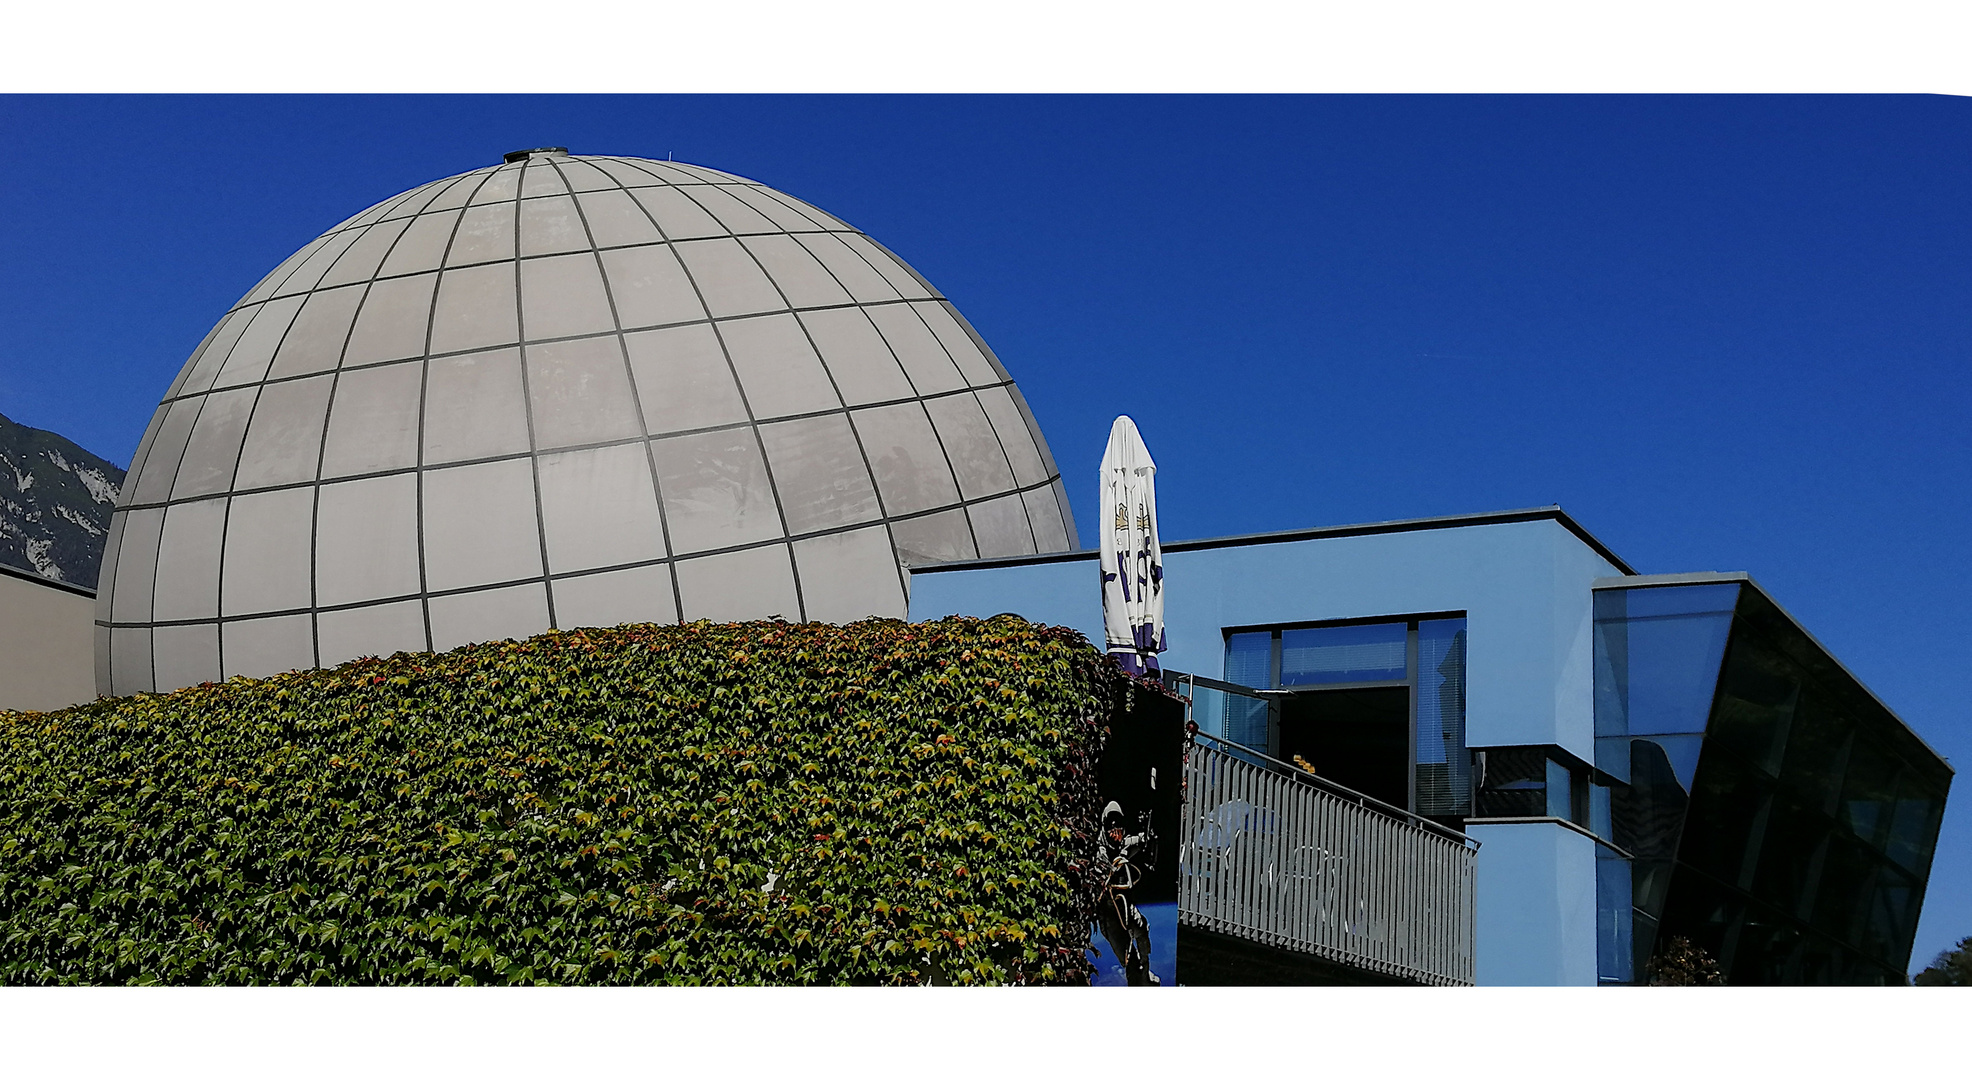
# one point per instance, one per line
(1284, 872)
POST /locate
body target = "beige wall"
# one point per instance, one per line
(47, 644)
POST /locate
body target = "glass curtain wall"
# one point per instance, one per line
(1780, 817)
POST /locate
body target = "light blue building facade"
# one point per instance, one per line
(1456, 667)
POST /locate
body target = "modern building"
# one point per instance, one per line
(1638, 757)
(45, 641)
(562, 391)
(570, 391)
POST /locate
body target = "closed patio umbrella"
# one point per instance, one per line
(1132, 562)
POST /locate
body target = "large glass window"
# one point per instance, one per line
(1379, 706)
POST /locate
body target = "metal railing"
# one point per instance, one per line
(1276, 856)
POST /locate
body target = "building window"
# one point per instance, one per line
(1377, 706)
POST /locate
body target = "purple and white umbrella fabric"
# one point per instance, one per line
(1132, 561)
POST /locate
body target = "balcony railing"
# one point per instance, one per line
(1276, 856)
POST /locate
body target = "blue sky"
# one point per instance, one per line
(1724, 333)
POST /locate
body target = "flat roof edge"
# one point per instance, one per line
(10, 570)
(1695, 577)
(1288, 536)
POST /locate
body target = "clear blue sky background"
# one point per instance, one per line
(1724, 333)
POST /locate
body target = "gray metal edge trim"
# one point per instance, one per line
(10, 570)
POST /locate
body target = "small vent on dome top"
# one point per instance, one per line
(523, 155)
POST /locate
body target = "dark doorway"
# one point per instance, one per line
(1357, 738)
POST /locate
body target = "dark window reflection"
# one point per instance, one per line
(1792, 839)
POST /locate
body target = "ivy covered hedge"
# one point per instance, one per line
(755, 803)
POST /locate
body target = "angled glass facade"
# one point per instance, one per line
(1777, 814)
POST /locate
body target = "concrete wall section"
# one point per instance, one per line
(47, 643)
(1536, 905)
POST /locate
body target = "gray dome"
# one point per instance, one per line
(560, 392)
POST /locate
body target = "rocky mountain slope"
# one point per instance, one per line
(55, 503)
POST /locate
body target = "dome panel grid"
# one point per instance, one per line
(563, 391)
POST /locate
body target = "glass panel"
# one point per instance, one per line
(367, 540)
(580, 393)
(268, 537)
(185, 655)
(678, 216)
(736, 216)
(485, 234)
(551, 226)
(942, 537)
(360, 262)
(1444, 776)
(474, 407)
(598, 509)
(1000, 526)
(1868, 790)
(972, 447)
(1757, 694)
(964, 351)
(1727, 819)
(1512, 782)
(641, 594)
(136, 564)
(215, 445)
(931, 371)
(683, 380)
(819, 472)
(479, 526)
(373, 421)
(856, 356)
(1847, 880)
(1614, 947)
(650, 288)
(901, 277)
(1018, 442)
(475, 309)
(616, 220)
(1343, 654)
(130, 661)
(491, 615)
(392, 322)
(1913, 826)
(161, 464)
(862, 280)
(1044, 513)
(716, 492)
(1789, 856)
(1656, 674)
(1250, 659)
(905, 455)
(1648, 814)
(378, 630)
(849, 576)
(801, 278)
(422, 246)
(314, 343)
(728, 279)
(257, 648)
(757, 583)
(249, 359)
(187, 585)
(778, 369)
(1560, 791)
(284, 439)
